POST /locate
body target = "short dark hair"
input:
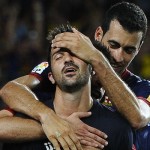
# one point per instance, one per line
(130, 16)
(52, 33)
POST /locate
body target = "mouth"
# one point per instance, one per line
(117, 68)
(70, 71)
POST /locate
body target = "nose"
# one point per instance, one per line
(68, 57)
(118, 54)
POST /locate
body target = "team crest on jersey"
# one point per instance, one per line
(40, 68)
(107, 102)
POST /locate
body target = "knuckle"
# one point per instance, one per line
(51, 137)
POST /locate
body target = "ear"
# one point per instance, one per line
(98, 34)
(50, 76)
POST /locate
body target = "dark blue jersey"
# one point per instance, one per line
(141, 89)
(139, 86)
(120, 134)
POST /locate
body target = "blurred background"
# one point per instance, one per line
(24, 25)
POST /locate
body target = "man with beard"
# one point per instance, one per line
(123, 33)
(72, 78)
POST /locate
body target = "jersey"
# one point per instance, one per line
(141, 88)
(120, 134)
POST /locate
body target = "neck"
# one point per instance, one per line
(67, 103)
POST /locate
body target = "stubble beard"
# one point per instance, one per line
(73, 85)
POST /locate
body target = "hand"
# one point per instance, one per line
(77, 43)
(5, 113)
(90, 148)
(60, 133)
(87, 135)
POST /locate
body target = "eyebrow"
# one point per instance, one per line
(114, 41)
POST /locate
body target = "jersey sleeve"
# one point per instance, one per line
(142, 91)
(40, 71)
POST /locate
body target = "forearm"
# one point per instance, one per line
(25, 101)
(15, 129)
(118, 92)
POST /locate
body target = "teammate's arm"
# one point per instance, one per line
(134, 110)
(18, 96)
(16, 129)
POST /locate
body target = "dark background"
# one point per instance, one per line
(24, 25)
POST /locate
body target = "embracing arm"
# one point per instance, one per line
(135, 111)
(16, 129)
(18, 96)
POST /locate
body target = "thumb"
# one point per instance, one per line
(83, 114)
(75, 30)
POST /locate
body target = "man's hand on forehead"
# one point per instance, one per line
(79, 44)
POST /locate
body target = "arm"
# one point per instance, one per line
(18, 96)
(15, 129)
(134, 110)
(27, 102)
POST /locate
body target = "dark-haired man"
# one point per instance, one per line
(123, 33)
(72, 78)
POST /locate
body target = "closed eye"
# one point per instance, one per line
(58, 56)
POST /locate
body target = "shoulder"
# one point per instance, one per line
(139, 85)
(41, 71)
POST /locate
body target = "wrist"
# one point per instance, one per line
(46, 114)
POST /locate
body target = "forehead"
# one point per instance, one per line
(117, 33)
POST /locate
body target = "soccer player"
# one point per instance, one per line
(123, 34)
(72, 78)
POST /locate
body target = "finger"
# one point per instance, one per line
(78, 33)
(82, 114)
(63, 143)
(70, 143)
(65, 35)
(60, 44)
(75, 141)
(91, 148)
(96, 138)
(88, 142)
(55, 143)
(96, 132)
